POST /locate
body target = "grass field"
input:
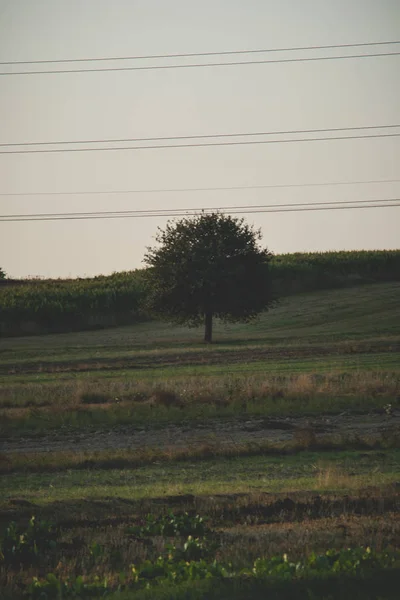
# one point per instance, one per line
(367, 311)
(318, 352)
(310, 471)
(284, 435)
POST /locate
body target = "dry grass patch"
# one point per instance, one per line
(192, 389)
(299, 538)
(105, 402)
(304, 439)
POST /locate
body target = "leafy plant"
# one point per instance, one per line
(54, 588)
(186, 565)
(171, 525)
(193, 549)
(25, 547)
(350, 561)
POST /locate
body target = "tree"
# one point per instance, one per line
(208, 266)
(2, 274)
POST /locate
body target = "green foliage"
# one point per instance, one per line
(171, 525)
(350, 561)
(174, 568)
(62, 305)
(2, 274)
(25, 547)
(55, 588)
(184, 566)
(192, 561)
(205, 266)
(309, 271)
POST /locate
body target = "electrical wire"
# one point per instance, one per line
(202, 189)
(197, 65)
(194, 54)
(201, 136)
(201, 145)
(304, 207)
(203, 208)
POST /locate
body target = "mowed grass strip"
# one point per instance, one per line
(311, 471)
(302, 440)
(388, 361)
(328, 316)
(253, 360)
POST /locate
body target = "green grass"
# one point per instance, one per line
(323, 352)
(66, 305)
(380, 586)
(338, 363)
(348, 335)
(364, 312)
(207, 447)
(319, 472)
(261, 506)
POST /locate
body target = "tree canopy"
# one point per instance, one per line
(209, 265)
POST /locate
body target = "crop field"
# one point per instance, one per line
(138, 463)
(119, 299)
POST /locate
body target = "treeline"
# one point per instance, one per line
(39, 306)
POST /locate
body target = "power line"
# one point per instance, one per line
(202, 189)
(197, 65)
(194, 54)
(273, 208)
(201, 136)
(202, 208)
(77, 218)
(202, 145)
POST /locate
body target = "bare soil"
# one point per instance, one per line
(230, 432)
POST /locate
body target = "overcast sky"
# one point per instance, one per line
(179, 102)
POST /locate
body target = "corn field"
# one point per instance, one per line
(61, 305)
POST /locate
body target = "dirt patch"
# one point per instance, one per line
(230, 432)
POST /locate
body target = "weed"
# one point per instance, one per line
(171, 525)
(25, 547)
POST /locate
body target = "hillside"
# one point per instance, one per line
(368, 314)
(35, 307)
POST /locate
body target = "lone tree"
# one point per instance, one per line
(210, 265)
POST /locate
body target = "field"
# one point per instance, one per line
(264, 465)
(44, 306)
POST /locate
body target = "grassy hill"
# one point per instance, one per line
(362, 313)
(35, 307)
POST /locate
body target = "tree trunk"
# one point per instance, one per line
(208, 327)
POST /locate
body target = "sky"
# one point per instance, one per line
(196, 101)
